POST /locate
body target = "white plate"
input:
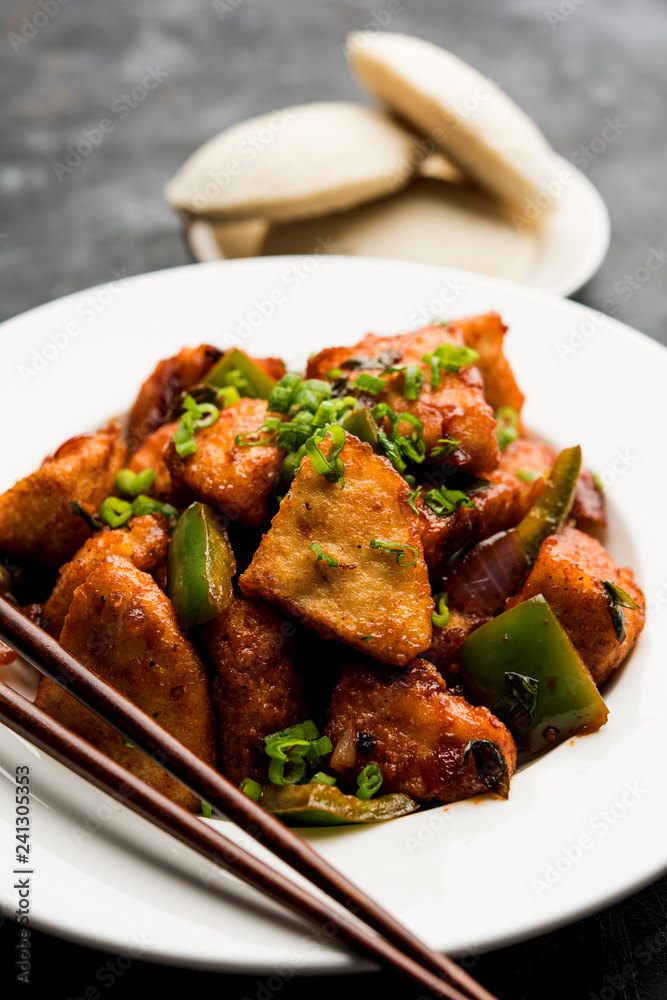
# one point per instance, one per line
(478, 874)
(572, 242)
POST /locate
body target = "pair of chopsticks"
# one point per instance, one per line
(392, 946)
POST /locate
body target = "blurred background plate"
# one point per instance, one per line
(572, 240)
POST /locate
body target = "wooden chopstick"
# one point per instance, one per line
(44, 653)
(85, 760)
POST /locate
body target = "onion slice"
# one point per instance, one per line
(492, 571)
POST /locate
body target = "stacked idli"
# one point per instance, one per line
(444, 172)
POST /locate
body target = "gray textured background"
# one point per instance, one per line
(607, 58)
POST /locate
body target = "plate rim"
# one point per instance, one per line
(525, 291)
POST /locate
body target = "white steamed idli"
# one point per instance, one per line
(300, 162)
(431, 221)
(475, 124)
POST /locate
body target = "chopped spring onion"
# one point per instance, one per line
(283, 752)
(444, 447)
(369, 383)
(369, 781)
(506, 426)
(412, 496)
(115, 511)
(331, 466)
(251, 788)
(414, 379)
(317, 548)
(400, 551)
(206, 810)
(440, 617)
(450, 358)
(196, 416)
(306, 730)
(443, 501)
(132, 483)
(597, 482)
(320, 778)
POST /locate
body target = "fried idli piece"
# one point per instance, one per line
(529, 455)
(144, 541)
(377, 601)
(35, 517)
(455, 409)
(235, 480)
(122, 626)
(447, 642)
(150, 455)
(497, 508)
(485, 334)
(413, 729)
(257, 686)
(163, 387)
(568, 572)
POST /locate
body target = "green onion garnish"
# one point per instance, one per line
(398, 550)
(414, 379)
(251, 788)
(284, 752)
(597, 482)
(369, 781)
(331, 466)
(440, 617)
(444, 447)
(196, 416)
(206, 810)
(369, 383)
(442, 501)
(412, 496)
(320, 778)
(317, 548)
(132, 483)
(449, 358)
(506, 426)
(306, 730)
(115, 511)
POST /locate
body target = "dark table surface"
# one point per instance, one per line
(65, 66)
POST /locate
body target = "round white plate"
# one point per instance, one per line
(584, 825)
(572, 242)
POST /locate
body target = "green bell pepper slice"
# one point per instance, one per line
(238, 370)
(362, 424)
(325, 805)
(523, 667)
(552, 506)
(201, 565)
